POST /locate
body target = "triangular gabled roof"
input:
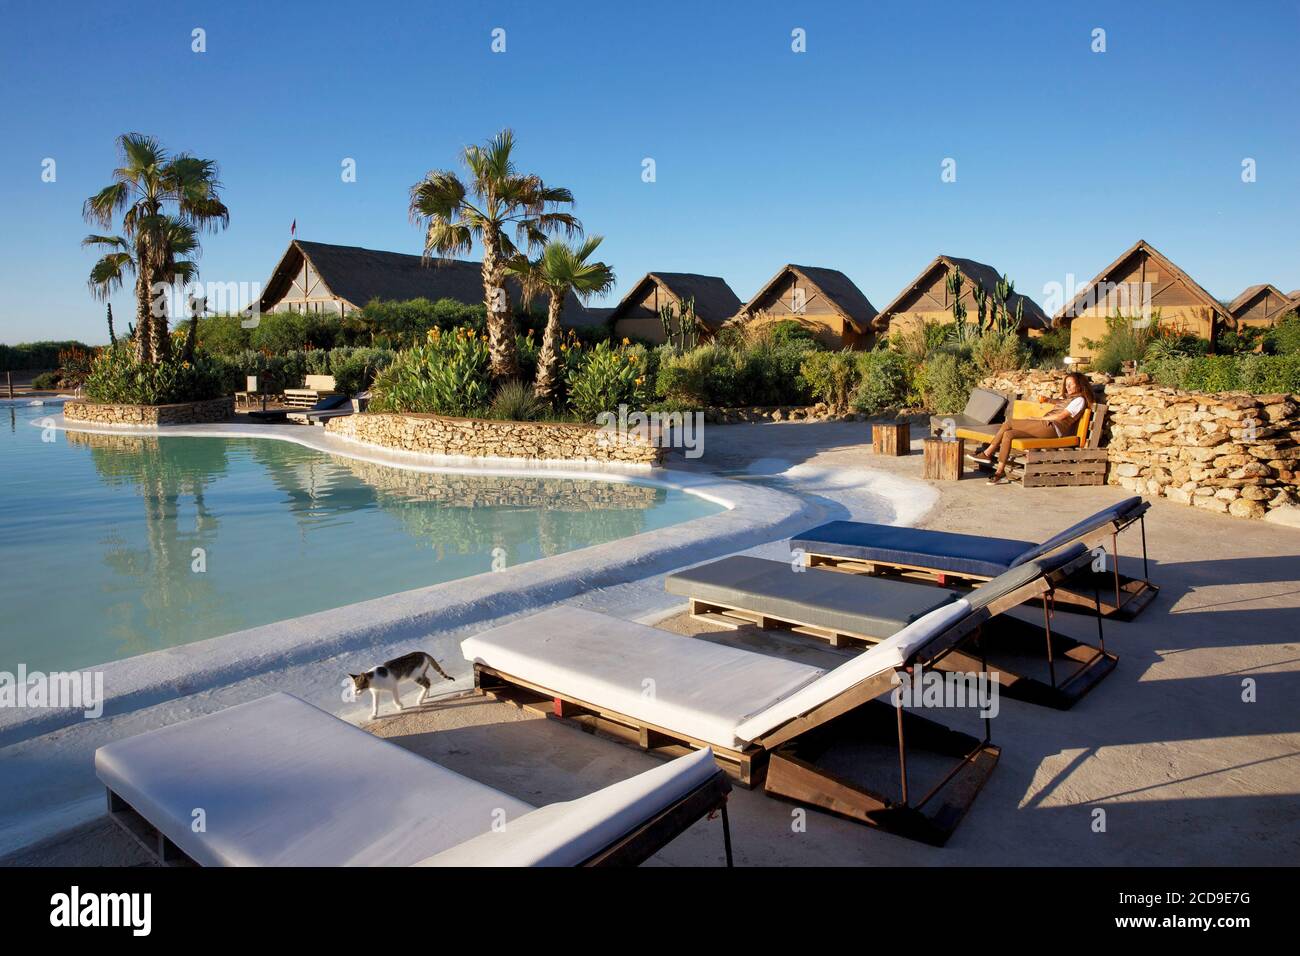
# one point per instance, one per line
(357, 275)
(845, 297)
(1250, 294)
(1141, 246)
(985, 275)
(714, 300)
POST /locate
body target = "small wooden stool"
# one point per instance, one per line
(944, 459)
(891, 438)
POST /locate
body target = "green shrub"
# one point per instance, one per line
(999, 350)
(1259, 374)
(946, 380)
(918, 340)
(1049, 349)
(832, 377)
(606, 377)
(515, 401)
(223, 335)
(1126, 339)
(1284, 338)
(116, 377)
(789, 332)
(35, 355)
(448, 375)
(886, 381)
(280, 332)
(47, 381)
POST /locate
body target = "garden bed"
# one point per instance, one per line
(182, 413)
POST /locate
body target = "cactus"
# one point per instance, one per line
(981, 305)
(681, 332)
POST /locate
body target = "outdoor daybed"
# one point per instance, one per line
(766, 719)
(278, 782)
(952, 559)
(851, 608)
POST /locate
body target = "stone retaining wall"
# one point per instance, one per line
(1232, 453)
(184, 413)
(482, 438)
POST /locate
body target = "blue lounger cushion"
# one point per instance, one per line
(1116, 512)
(945, 550)
(915, 547)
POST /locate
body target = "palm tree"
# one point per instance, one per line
(178, 247)
(497, 197)
(559, 270)
(144, 187)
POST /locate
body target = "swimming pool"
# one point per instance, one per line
(116, 545)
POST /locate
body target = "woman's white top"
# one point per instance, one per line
(1075, 408)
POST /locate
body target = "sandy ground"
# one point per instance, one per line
(1187, 772)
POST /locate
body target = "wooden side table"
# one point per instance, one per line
(944, 459)
(891, 438)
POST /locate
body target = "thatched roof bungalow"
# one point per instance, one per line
(1260, 305)
(824, 300)
(320, 277)
(1141, 282)
(637, 314)
(927, 299)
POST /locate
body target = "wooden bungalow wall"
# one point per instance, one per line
(818, 315)
(1178, 304)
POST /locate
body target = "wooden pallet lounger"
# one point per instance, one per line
(766, 719)
(279, 782)
(856, 609)
(966, 560)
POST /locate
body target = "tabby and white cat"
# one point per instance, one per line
(414, 666)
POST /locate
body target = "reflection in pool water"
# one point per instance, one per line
(115, 545)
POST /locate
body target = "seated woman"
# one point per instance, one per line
(1059, 422)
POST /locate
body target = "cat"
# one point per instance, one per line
(414, 666)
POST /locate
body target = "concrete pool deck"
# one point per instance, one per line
(1187, 772)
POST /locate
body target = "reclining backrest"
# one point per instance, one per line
(886, 656)
(984, 405)
(570, 833)
(1091, 523)
(1022, 574)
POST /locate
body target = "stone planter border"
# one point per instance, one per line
(489, 438)
(181, 413)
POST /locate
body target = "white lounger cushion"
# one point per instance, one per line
(568, 834)
(282, 783)
(887, 655)
(692, 687)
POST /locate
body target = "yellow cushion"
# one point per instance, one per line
(1028, 444)
(1023, 409)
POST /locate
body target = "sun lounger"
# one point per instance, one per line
(952, 559)
(980, 416)
(328, 404)
(848, 609)
(278, 782)
(765, 719)
(332, 406)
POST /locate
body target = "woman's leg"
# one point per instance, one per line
(1019, 428)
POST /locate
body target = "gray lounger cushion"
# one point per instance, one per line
(984, 405)
(282, 783)
(944, 550)
(848, 603)
(939, 424)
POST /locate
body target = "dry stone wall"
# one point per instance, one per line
(185, 413)
(481, 438)
(1230, 453)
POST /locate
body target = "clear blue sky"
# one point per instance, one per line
(831, 157)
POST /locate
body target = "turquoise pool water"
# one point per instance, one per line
(98, 535)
